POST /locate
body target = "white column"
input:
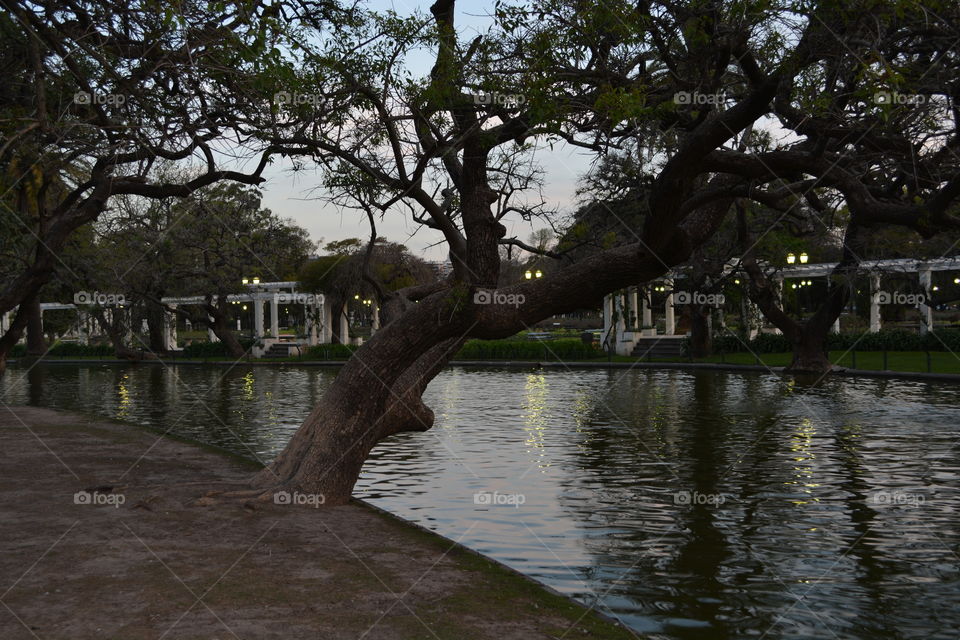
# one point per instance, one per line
(634, 310)
(166, 329)
(621, 301)
(172, 339)
(874, 303)
(326, 322)
(257, 317)
(375, 322)
(274, 317)
(669, 323)
(344, 326)
(211, 336)
(926, 310)
(314, 313)
(753, 320)
(83, 336)
(607, 315)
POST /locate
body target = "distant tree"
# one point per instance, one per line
(94, 95)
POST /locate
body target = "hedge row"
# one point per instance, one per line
(883, 340)
(562, 349)
(330, 352)
(75, 350)
(212, 349)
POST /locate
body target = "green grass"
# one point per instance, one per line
(907, 361)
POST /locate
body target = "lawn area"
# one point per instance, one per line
(912, 361)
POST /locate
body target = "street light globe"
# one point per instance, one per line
(256, 281)
(804, 257)
(791, 258)
(528, 274)
(539, 273)
(246, 281)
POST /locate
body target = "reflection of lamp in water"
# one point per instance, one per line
(535, 417)
(802, 447)
(123, 406)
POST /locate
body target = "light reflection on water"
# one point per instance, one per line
(702, 505)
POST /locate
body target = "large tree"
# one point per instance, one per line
(593, 75)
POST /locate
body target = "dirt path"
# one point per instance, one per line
(147, 562)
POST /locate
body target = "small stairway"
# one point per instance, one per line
(666, 347)
(277, 350)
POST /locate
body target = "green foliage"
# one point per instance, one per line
(884, 340)
(330, 352)
(212, 349)
(74, 350)
(563, 349)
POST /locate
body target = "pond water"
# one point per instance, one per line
(687, 504)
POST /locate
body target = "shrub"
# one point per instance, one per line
(883, 340)
(330, 351)
(212, 349)
(75, 350)
(562, 349)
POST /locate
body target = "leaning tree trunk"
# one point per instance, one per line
(377, 393)
(115, 331)
(701, 342)
(36, 344)
(157, 339)
(13, 334)
(221, 326)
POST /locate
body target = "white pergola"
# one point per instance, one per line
(318, 314)
(637, 300)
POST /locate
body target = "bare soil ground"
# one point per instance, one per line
(142, 559)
